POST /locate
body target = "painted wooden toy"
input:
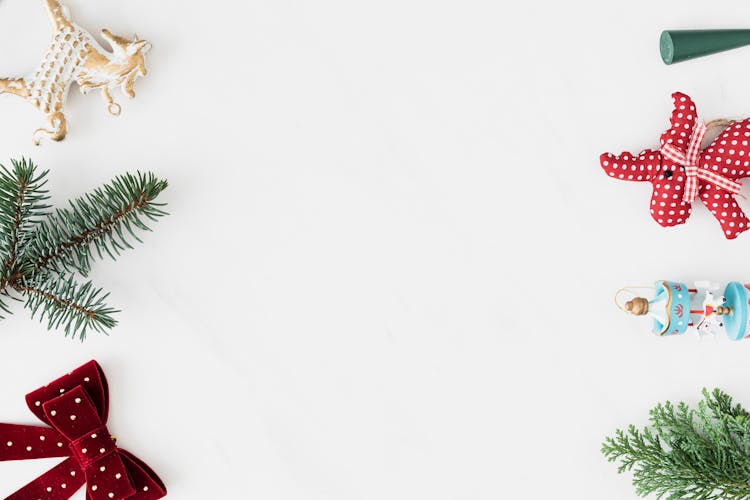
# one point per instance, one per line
(681, 45)
(75, 56)
(674, 308)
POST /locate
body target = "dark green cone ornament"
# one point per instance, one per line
(680, 45)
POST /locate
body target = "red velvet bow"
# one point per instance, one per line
(76, 407)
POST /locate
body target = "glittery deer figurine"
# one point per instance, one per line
(75, 56)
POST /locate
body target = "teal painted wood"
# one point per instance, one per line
(680, 45)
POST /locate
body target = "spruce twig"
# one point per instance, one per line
(41, 252)
(687, 453)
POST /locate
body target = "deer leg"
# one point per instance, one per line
(113, 108)
(724, 207)
(59, 128)
(16, 86)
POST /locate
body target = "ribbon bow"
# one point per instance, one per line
(76, 407)
(690, 159)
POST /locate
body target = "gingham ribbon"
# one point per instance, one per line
(690, 159)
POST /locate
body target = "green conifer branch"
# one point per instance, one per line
(41, 252)
(687, 453)
(103, 220)
(22, 202)
(68, 305)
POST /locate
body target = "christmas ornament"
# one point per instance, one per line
(75, 407)
(680, 172)
(42, 251)
(681, 45)
(75, 56)
(688, 453)
(674, 308)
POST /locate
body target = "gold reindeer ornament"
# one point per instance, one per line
(75, 56)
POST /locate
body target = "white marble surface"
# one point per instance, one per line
(390, 263)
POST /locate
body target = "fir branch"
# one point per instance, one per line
(66, 304)
(104, 220)
(687, 453)
(22, 202)
(40, 252)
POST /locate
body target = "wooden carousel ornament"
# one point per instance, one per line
(75, 56)
(675, 308)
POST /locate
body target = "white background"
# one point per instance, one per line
(389, 268)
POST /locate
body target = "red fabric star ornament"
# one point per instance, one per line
(76, 407)
(679, 166)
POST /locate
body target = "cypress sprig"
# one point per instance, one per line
(687, 453)
(41, 251)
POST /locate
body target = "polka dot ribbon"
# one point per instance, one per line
(75, 407)
(690, 159)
